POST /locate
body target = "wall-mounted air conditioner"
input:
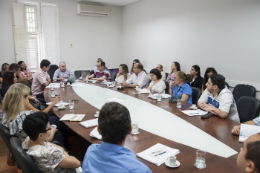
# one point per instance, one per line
(92, 10)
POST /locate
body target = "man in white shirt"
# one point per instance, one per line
(62, 72)
(218, 100)
(139, 78)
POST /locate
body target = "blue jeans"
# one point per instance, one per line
(40, 97)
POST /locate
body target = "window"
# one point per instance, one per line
(31, 19)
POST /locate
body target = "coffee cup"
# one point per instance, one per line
(61, 105)
(193, 105)
(68, 83)
(94, 81)
(80, 77)
(172, 160)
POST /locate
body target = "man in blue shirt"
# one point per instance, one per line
(114, 124)
(62, 72)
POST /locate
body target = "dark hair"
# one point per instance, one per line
(137, 61)
(177, 65)
(102, 63)
(3, 68)
(185, 77)
(8, 79)
(218, 79)
(20, 63)
(35, 124)
(114, 122)
(14, 67)
(253, 152)
(45, 63)
(205, 80)
(157, 73)
(197, 69)
(140, 66)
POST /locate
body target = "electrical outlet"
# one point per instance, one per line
(70, 45)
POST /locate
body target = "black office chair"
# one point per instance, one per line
(51, 71)
(248, 108)
(24, 160)
(227, 85)
(196, 93)
(113, 75)
(243, 90)
(167, 87)
(5, 134)
(1, 97)
(91, 72)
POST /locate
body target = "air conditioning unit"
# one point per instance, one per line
(92, 10)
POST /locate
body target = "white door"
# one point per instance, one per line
(20, 34)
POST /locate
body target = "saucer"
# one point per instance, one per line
(159, 100)
(178, 106)
(194, 108)
(155, 98)
(168, 164)
(52, 89)
(62, 107)
(135, 133)
(96, 115)
(69, 84)
(110, 86)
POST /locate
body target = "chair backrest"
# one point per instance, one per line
(248, 108)
(51, 71)
(113, 75)
(78, 73)
(24, 160)
(92, 72)
(196, 93)
(1, 97)
(5, 134)
(243, 90)
(227, 85)
(167, 87)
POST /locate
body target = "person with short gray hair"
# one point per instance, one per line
(62, 72)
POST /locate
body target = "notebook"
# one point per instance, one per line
(89, 123)
(247, 130)
(58, 104)
(145, 91)
(158, 154)
(195, 112)
(72, 117)
(94, 133)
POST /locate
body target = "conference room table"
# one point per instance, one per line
(215, 129)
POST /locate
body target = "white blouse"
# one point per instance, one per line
(159, 87)
(121, 78)
(163, 76)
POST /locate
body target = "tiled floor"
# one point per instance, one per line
(4, 168)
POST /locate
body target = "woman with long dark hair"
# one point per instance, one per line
(175, 68)
(196, 80)
(5, 67)
(209, 71)
(9, 79)
(24, 71)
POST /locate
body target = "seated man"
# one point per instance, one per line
(248, 158)
(98, 61)
(62, 73)
(47, 156)
(217, 99)
(102, 73)
(138, 78)
(41, 79)
(114, 124)
(236, 129)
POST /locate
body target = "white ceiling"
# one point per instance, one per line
(111, 2)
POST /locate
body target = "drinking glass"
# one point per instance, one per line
(61, 84)
(178, 102)
(71, 104)
(200, 159)
(135, 127)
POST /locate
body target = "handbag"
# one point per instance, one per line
(10, 159)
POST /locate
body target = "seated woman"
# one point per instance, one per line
(47, 156)
(123, 74)
(24, 71)
(5, 67)
(160, 68)
(9, 79)
(15, 68)
(175, 68)
(14, 111)
(209, 71)
(181, 89)
(196, 80)
(157, 85)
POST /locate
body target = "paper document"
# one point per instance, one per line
(115, 100)
(94, 133)
(89, 123)
(53, 85)
(58, 104)
(72, 117)
(247, 130)
(195, 112)
(158, 154)
(145, 91)
(164, 96)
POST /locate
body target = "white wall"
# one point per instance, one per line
(7, 54)
(92, 37)
(224, 34)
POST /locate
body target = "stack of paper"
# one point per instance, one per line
(164, 96)
(89, 123)
(115, 100)
(145, 91)
(158, 154)
(195, 112)
(58, 104)
(72, 117)
(53, 85)
(247, 130)
(94, 133)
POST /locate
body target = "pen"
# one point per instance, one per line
(160, 153)
(157, 151)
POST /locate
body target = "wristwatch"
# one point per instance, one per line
(129, 85)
